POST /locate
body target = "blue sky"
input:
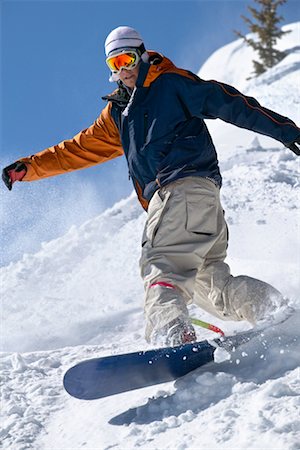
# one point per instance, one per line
(53, 77)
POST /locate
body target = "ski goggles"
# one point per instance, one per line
(125, 59)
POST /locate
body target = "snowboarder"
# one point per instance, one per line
(156, 118)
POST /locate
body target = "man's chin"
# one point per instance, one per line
(129, 84)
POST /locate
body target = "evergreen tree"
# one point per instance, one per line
(266, 28)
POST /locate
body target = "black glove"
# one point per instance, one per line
(14, 172)
(295, 148)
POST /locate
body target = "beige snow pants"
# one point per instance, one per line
(183, 250)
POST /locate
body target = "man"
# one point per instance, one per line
(155, 117)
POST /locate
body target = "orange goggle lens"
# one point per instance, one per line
(123, 60)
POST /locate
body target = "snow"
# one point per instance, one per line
(81, 296)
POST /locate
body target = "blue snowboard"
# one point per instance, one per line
(102, 377)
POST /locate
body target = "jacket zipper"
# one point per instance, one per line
(145, 127)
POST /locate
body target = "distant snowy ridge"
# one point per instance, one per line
(81, 296)
(222, 65)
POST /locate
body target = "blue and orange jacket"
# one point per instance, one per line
(161, 130)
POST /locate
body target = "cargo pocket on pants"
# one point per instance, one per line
(202, 215)
(156, 213)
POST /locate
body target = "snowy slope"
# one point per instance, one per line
(81, 296)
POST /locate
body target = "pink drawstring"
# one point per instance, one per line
(163, 284)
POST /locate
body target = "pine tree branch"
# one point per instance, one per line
(265, 27)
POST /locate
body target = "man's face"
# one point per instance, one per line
(129, 77)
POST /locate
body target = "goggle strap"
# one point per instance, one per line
(141, 49)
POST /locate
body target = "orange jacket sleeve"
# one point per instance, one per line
(97, 144)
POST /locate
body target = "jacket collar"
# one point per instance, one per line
(121, 95)
(158, 64)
